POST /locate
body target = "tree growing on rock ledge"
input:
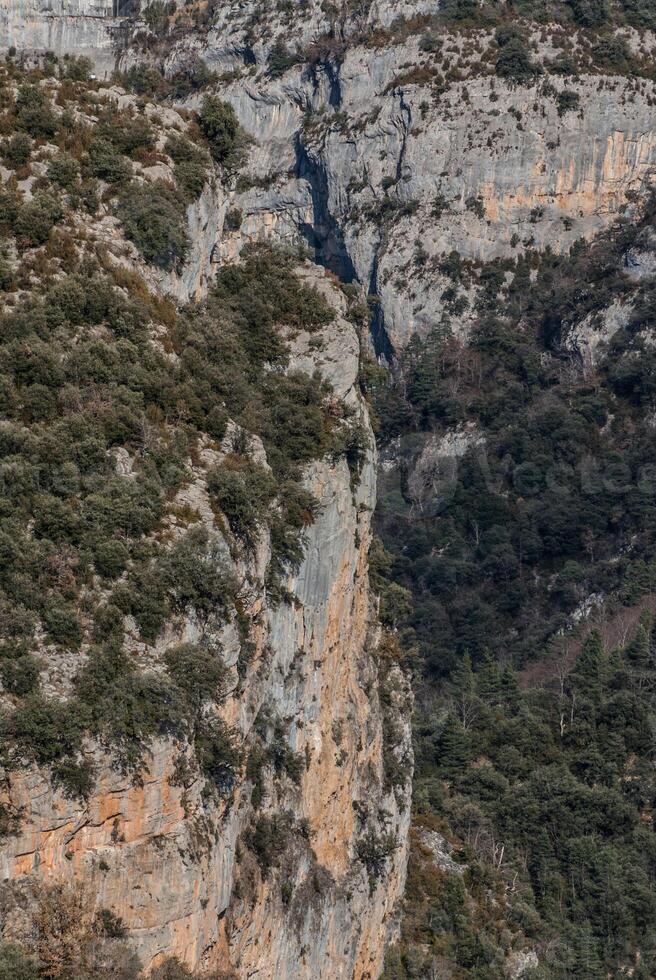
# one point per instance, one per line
(228, 143)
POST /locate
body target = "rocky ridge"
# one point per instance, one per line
(385, 174)
(371, 151)
(298, 868)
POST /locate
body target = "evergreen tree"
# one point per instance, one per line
(640, 579)
(639, 656)
(587, 674)
(588, 959)
(462, 680)
(488, 680)
(510, 692)
(615, 674)
(454, 751)
(541, 863)
(638, 651)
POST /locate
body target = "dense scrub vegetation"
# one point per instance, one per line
(547, 793)
(108, 396)
(73, 527)
(549, 797)
(584, 13)
(553, 499)
(82, 152)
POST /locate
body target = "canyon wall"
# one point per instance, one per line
(80, 27)
(359, 155)
(385, 180)
(174, 862)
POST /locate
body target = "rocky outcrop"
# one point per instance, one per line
(179, 865)
(81, 27)
(383, 176)
(365, 153)
(361, 155)
(424, 178)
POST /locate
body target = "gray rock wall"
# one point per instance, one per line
(81, 27)
(163, 854)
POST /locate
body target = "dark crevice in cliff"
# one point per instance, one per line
(406, 125)
(126, 8)
(379, 336)
(248, 55)
(323, 235)
(335, 95)
(331, 69)
(325, 238)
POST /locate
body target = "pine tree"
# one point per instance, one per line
(488, 680)
(462, 679)
(640, 579)
(588, 959)
(616, 672)
(510, 692)
(639, 655)
(454, 751)
(638, 650)
(587, 674)
(541, 863)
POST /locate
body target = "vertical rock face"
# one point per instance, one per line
(359, 154)
(82, 27)
(515, 177)
(181, 868)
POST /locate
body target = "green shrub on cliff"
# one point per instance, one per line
(63, 170)
(108, 388)
(514, 59)
(34, 112)
(153, 218)
(16, 151)
(106, 163)
(244, 497)
(227, 141)
(35, 219)
(199, 672)
(16, 965)
(111, 398)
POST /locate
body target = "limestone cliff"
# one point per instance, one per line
(83, 27)
(368, 147)
(385, 162)
(385, 172)
(176, 864)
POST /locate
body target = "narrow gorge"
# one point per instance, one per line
(327, 518)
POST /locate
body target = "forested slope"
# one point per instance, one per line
(478, 179)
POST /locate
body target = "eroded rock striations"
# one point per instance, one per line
(385, 175)
(166, 857)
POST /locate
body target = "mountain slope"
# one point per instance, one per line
(192, 674)
(479, 177)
